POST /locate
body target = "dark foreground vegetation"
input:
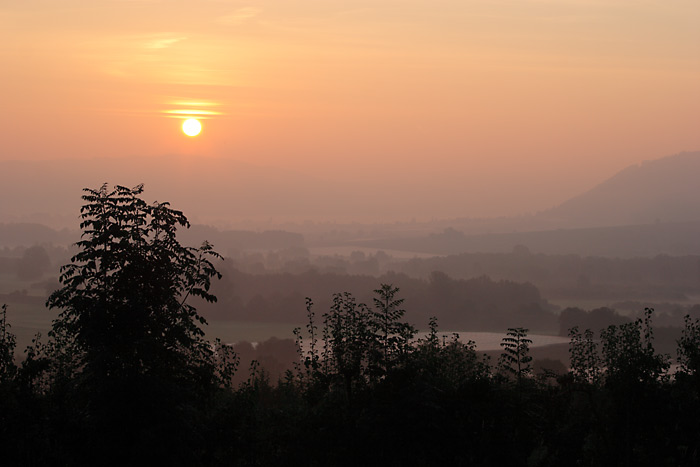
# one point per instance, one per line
(126, 377)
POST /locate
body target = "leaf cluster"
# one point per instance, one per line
(629, 355)
(583, 353)
(357, 346)
(123, 298)
(8, 342)
(515, 359)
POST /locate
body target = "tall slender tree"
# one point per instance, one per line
(516, 359)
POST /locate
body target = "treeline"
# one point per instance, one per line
(364, 392)
(634, 240)
(27, 264)
(477, 304)
(573, 276)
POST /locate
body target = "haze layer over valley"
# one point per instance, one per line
(600, 248)
(225, 193)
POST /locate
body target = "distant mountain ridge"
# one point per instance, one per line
(661, 190)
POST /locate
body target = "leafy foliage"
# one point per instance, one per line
(585, 360)
(689, 347)
(127, 346)
(123, 299)
(8, 342)
(628, 352)
(515, 359)
(394, 335)
(448, 364)
(360, 346)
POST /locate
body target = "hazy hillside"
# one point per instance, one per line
(646, 209)
(664, 190)
(651, 207)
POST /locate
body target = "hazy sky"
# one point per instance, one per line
(480, 106)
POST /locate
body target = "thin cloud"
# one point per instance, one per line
(163, 43)
(239, 16)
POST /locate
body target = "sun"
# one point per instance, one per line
(191, 127)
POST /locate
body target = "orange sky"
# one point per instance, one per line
(518, 104)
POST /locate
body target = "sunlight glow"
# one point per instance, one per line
(191, 127)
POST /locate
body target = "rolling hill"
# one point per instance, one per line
(662, 190)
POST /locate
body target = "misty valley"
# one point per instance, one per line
(349, 233)
(124, 344)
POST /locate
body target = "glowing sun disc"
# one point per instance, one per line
(191, 127)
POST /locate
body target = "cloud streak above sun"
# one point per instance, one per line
(182, 113)
(163, 43)
(239, 16)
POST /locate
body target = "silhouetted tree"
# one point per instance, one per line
(394, 335)
(689, 347)
(353, 343)
(583, 352)
(628, 352)
(515, 359)
(360, 346)
(635, 415)
(448, 364)
(136, 341)
(8, 343)
(124, 295)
